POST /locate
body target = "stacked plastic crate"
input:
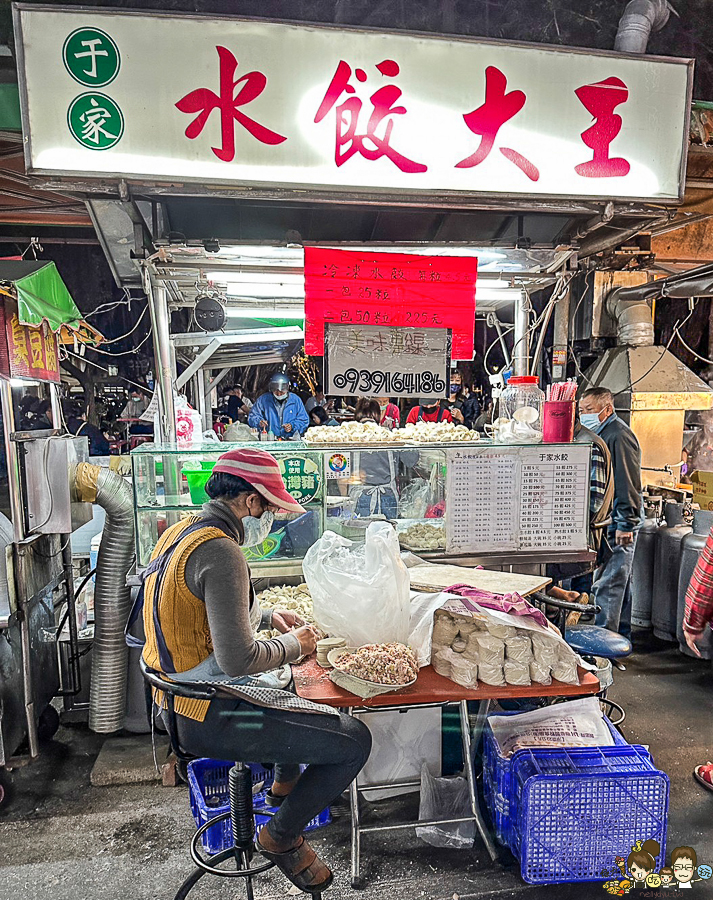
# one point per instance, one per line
(567, 813)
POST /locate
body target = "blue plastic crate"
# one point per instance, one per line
(208, 792)
(497, 782)
(579, 809)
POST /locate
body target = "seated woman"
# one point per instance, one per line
(318, 415)
(200, 618)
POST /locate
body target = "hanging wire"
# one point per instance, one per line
(128, 333)
(124, 352)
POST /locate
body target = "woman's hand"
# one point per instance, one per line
(307, 639)
(283, 620)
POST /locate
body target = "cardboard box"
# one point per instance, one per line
(703, 489)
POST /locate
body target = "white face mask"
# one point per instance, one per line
(280, 397)
(256, 530)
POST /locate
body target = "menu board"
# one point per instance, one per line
(526, 498)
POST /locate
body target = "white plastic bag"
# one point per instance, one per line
(360, 591)
(445, 798)
(421, 625)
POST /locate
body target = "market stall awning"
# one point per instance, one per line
(40, 293)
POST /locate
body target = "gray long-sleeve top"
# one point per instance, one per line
(217, 572)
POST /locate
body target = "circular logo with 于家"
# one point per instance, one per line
(96, 122)
(91, 57)
(338, 463)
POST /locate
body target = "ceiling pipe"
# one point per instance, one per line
(632, 314)
(638, 20)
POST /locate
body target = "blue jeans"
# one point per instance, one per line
(385, 503)
(612, 590)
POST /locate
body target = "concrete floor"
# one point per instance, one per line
(63, 839)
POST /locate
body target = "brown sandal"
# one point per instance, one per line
(302, 866)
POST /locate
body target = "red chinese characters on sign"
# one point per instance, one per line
(375, 141)
(27, 352)
(401, 290)
(204, 101)
(500, 106)
(601, 99)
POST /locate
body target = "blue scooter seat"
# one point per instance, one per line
(593, 640)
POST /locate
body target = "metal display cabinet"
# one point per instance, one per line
(344, 488)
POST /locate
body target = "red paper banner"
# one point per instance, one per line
(396, 289)
(27, 352)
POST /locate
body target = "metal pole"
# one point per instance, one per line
(16, 509)
(158, 309)
(56, 407)
(13, 462)
(521, 347)
(560, 343)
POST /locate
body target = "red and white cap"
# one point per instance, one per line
(262, 471)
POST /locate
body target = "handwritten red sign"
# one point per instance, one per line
(27, 352)
(396, 289)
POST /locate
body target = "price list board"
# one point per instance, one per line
(518, 498)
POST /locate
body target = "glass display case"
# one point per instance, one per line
(341, 490)
(466, 502)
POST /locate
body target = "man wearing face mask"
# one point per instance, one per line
(429, 409)
(200, 618)
(612, 582)
(280, 411)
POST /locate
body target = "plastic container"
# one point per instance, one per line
(497, 771)
(208, 793)
(197, 480)
(520, 412)
(558, 421)
(579, 809)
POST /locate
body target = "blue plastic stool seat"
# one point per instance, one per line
(593, 640)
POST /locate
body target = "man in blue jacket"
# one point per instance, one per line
(612, 584)
(279, 411)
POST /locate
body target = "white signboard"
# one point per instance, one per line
(250, 102)
(529, 498)
(378, 361)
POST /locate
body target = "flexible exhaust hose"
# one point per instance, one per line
(112, 597)
(639, 19)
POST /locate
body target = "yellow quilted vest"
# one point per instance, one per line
(182, 615)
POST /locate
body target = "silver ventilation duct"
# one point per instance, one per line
(638, 20)
(112, 597)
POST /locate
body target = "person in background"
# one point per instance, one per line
(697, 625)
(35, 414)
(377, 493)
(390, 414)
(317, 399)
(319, 416)
(279, 411)
(239, 406)
(612, 580)
(467, 405)
(135, 407)
(77, 424)
(429, 409)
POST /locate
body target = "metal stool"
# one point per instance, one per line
(241, 813)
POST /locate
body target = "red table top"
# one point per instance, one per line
(313, 683)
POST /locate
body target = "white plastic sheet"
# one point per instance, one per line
(360, 591)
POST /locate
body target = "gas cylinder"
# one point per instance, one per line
(691, 548)
(664, 606)
(642, 572)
